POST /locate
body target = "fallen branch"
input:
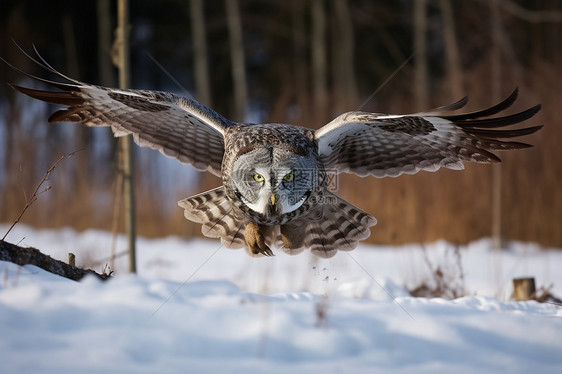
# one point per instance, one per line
(32, 256)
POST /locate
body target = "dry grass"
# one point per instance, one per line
(447, 278)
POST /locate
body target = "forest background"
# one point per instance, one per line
(300, 62)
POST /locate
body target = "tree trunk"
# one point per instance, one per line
(201, 63)
(524, 289)
(12, 179)
(319, 63)
(126, 143)
(104, 65)
(344, 62)
(421, 80)
(300, 65)
(237, 59)
(495, 56)
(106, 79)
(104, 43)
(80, 176)
(452, 51)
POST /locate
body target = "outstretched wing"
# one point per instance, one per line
(178, 127)
(391, 145)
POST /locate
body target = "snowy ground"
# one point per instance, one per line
(195, 307)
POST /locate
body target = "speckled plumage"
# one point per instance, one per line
(240, 139)
(275, 191)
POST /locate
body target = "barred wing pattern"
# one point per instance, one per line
(390, 145)
(341, 226)
(214, 211)
(334, 225)
(178, 127)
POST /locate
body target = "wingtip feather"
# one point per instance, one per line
(62, 97)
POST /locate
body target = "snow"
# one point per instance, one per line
(195, 307)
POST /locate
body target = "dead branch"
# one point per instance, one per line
(32, 256)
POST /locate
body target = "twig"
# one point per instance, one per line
(111, 259)
(36, 193)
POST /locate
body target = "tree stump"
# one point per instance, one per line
(524, 289)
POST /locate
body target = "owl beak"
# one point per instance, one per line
(272, 199)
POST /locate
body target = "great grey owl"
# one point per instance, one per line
(275, 176)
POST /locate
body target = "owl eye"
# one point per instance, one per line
(258, 177)
(289, 177)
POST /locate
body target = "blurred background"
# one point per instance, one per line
(301, 62)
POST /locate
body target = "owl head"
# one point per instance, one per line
(274, 181)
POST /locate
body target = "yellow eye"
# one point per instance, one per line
(258, 177)
(289, 177)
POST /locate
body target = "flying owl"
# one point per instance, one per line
(275, 176)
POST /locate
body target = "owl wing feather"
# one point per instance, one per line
(219, 219)
(178, 127)
(338, 226)
(390, 145)
(214, 211)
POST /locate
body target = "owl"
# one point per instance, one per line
(275, 189)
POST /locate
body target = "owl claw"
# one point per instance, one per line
(261, 249)
(254, 235)
(267, 252)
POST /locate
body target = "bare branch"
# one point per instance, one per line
(532, 16)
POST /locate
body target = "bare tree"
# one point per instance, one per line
(202, 83)
(82, 134)
(126, 143)
(495, 63)
(106, 79)
(104, 42)
(104, 57)
(300, 65)
(319, 61)
(454, 69)
(237, 59)
(344, 62)
(421, 80)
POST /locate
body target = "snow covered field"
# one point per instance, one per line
(196, 307)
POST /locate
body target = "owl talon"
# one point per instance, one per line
(265, 250)
(254, 235)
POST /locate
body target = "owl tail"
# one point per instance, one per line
(334, 225)
(214, 211)
(338, 225)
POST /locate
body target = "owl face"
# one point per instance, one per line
(273, 181)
